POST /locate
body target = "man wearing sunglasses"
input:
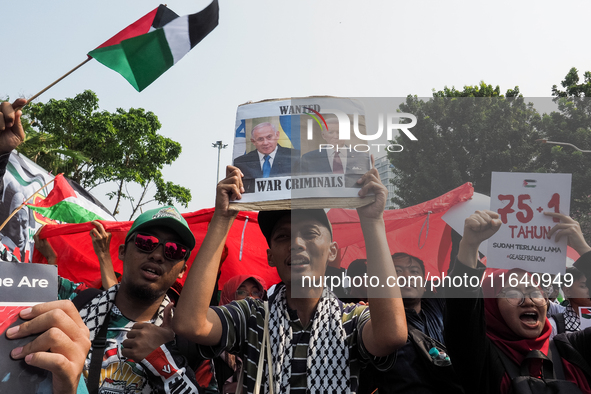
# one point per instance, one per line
(140, 355)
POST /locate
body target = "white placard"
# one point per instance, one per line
(456, 215)
(522, 241)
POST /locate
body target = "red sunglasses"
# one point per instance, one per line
(172, 250)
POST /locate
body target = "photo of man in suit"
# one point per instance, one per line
(337, 158)
(268, 159)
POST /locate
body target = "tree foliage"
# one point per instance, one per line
(94, 147)
(465, 135)
(462, 137)
(572, 124)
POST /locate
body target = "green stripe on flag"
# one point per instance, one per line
(67, 212)
(140, 60)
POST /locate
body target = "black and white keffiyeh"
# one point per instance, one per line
(572, 322)
(328, 354)
(94, 313)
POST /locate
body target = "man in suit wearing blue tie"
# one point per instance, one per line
(268, 159)
(336, 157)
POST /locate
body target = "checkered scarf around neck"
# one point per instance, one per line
(572, 322)
(328, 353)
(94, 313)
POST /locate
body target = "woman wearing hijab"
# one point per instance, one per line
(241, 286)
(486, 336)
(236, 288)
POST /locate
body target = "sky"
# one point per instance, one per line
(275, 49)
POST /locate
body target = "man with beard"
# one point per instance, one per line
(140, 355)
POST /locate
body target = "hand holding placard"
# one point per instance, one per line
(570, 228)
(521, 200)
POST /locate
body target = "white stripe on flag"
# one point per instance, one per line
(177, 35)
(84, 203)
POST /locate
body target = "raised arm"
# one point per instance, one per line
(45, 248)
(12, 133)
(101, 241)
(570, 228)
(386, 330)
(193, 319)
(478, 227)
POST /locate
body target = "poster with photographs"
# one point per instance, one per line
(25, 180)
(22, 179)
(305, 152)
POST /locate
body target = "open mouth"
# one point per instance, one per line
(296, 261)
(151, 272)
(529, 318)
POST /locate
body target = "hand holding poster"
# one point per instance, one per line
(293, 151)
(521, 199)
(22, 286)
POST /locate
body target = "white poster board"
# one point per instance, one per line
(456, 215)
(522, 241)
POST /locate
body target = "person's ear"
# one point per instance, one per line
(270, 258)
(333, 251)
(122, 252)
(182, 273)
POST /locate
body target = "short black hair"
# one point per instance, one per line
(576, 275)
(357, 268)
(401, 255)
(268, 219)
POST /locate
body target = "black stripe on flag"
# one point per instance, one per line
(203, 22)
(163, 16)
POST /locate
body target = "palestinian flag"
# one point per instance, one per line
(65, 205)
(147, 48)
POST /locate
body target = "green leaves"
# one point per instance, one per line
(95, 147)
(462, 137)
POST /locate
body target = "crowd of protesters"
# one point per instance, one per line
(126, 338)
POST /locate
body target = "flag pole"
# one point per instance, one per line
(59, 79)
(24, 203)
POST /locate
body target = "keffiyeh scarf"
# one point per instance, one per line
(572, 322)
(94, 313)
(328, 353)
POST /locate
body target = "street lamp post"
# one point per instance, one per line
(219, 146)
(543, 141)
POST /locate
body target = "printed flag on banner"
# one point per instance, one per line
(147, 48)
(585, 317)
(63, 204)
(23, 179)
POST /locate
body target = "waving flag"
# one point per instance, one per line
(64, 204)
(147, 48)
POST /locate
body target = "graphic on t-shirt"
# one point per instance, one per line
(120, 375)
